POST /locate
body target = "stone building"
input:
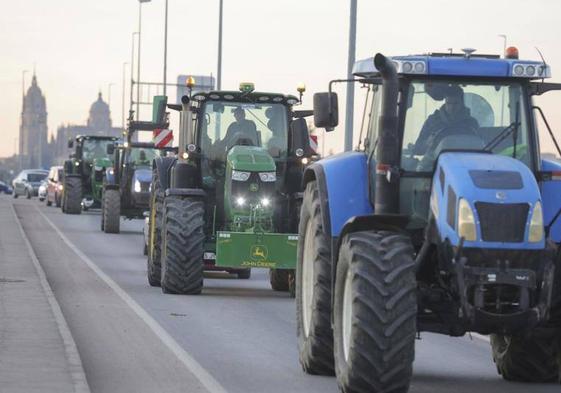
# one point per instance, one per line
(33, 138)
(99, 123)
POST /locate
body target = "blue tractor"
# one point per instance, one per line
(443, 220)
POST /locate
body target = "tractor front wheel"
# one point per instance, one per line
(279, 279)
(375, 313)
(111, 211)
(244, 274)
(182, 251)
(72, 195)
(313, 288)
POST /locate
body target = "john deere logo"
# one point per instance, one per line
(253, 187)
(259, 253)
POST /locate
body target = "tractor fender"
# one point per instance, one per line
(343, 188)
(68, 167)
(163, 165)
(110, 177)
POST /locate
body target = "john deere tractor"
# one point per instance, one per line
(84, 172)
(126, 189)
(445, 220)
(231, 199)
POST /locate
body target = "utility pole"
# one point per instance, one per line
(350, 85)
(138, 57)
(219, 73)
(166, 48)
(124, 87)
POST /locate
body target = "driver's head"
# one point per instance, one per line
(239, 113)
(454, 100)
(142, 155)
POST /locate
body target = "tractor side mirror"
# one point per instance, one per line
(110, 149)
(326, 110)
(70, 143)
(300, 137)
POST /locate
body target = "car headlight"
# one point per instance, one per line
(60, 187)
(536, 224)
(466, 221)
(137, 186)
(240, 176)
(268, 176)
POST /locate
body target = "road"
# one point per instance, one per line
(238, 336)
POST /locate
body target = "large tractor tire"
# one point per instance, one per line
(313, 288)
(154, 250)
(375, 313)
(244, 274)
(111, 211)
(182, 251)
(72, 195)
(279, 279)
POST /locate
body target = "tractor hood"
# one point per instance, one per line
(250, 158)
(501, 192)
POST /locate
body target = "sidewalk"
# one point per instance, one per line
(37, 353)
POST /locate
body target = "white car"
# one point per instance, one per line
(42, 193)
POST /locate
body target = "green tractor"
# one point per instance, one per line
(84, 172)
(230, 201)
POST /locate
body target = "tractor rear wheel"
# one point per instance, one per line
(111, 211)
(244, 274)
(182, 251)
(279, 279)
(375, 313)
(313, 288)
(154, 249)
(72, 195)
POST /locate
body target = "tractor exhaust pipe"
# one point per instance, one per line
(386, 199)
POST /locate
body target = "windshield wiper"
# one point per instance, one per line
(501, 136)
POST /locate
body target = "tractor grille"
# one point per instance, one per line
(502, 222)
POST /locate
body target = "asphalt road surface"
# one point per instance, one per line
(238, 336)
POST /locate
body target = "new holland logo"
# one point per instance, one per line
(253, 187)
(259, 253)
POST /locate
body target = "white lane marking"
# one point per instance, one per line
(206, 379)
(72, 355)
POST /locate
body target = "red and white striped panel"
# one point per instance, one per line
(162, 137)
(314, 143)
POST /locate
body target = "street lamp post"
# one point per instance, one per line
(124, 87)
(219, 71)
(132, 69)
(350, 86)
(503, 36)
(22, 108)
(138, 57)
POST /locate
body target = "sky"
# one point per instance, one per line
(78, 47)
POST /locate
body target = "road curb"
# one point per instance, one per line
(77, 372)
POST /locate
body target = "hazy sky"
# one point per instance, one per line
(79, 46)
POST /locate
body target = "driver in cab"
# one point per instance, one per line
(453, 118)
(241, 131)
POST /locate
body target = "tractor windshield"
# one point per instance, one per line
(140, 156)
(226, 124)
(463, 115)
(95, 148)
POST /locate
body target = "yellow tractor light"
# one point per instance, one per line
(301, 88)
(247, 87)
(190, 82)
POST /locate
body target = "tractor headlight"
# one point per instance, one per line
(240, 201)
(137, 186)
(77, 163)
(268, 176)
(265, 202)
(240, 176)
(536, 224)
(466, 221)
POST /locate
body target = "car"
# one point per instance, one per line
(42, 193)
(4, 188)
(55, 186)
(27, 182)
